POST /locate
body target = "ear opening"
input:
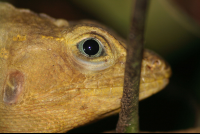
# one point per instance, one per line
(13, 87)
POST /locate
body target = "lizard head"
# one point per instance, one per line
(57, 75)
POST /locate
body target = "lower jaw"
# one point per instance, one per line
(148, 89)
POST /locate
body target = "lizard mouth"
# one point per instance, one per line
(148, 89)
(155, 73)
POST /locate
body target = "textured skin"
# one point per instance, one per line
(47, 85)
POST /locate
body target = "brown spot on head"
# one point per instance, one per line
(13, 87)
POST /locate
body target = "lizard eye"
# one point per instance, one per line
(90, 47)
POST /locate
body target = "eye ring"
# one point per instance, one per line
(90, 47)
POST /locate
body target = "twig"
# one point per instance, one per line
(128, 117)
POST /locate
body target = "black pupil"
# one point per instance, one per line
(91, 47)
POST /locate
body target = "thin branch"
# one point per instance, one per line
(128, 118)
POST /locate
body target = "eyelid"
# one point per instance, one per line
(87, 64)
(95, 63)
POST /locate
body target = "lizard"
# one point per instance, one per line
(56, 75)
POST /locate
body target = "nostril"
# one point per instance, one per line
(157, 62)
(13, 87)
(149, 67)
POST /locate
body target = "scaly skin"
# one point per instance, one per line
(48, 85)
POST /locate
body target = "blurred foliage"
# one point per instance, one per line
(164, 33)
(114, 13)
